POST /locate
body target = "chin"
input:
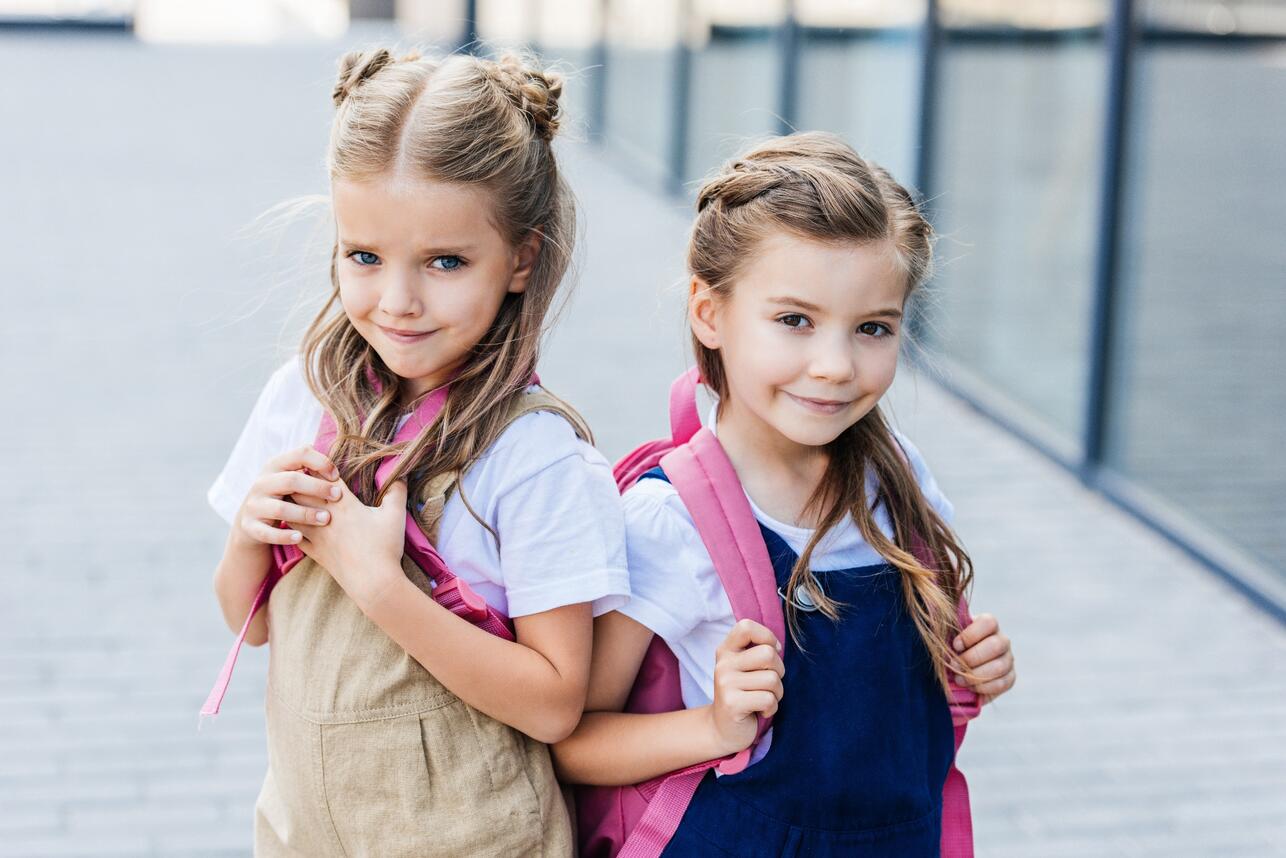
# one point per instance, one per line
(812, 436)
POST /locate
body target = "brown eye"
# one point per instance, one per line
(874, 329)
(793, 320)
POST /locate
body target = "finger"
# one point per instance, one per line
(274, 509)
(757, 702)
(997, 686)
(759, 680)
(305, 457)
(989, 671)
(757, 657)
(982, 626)
(395, 496)
(748, 633)
(266, 533)
(988, 649)
(297, 483)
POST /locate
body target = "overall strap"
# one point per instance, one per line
(706, 481)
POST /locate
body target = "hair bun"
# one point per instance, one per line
(533, 91)
(356, 67)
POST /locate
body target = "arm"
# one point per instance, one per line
(611, 748)
(247, 555)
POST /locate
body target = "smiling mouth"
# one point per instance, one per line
(820, 406)
(405, 336)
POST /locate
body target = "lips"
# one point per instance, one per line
(820, 406)
(399, 336)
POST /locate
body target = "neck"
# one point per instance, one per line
(779, 474)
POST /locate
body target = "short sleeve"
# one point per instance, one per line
(558, 515)
(666, 558)
(285, 416)
(924, 477)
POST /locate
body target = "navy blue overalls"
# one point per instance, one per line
(861, 744)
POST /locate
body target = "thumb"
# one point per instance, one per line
(395, 497)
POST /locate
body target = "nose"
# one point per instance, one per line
(399, 296)
(833, 361)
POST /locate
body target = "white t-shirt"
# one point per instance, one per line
(549, 495)
(676, 592)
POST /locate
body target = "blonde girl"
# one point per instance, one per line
(803, 259)
(395, 726)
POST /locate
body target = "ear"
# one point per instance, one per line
(703, 313)
(525, 261)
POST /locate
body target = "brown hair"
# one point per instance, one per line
(815, 186)
(465, 120)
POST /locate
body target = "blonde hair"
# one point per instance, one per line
(465, 120)
(814, 186)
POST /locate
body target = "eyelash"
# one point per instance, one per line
(353, 254)
(884, 330)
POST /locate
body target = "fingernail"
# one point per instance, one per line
(334, 492)
(295, 536)
(958, 644)
(323, 516)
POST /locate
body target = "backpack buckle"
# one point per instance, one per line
(460, 599)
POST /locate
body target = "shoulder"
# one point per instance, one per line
(924, 477)
(673, 584)
(653, 508)
(286, 398)
(542, 447)
(541, 439)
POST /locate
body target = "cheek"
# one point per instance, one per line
(357, 298)
(878, 366)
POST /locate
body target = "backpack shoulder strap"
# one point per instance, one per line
(707, 483)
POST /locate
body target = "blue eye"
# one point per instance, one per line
(449, 263)
(364, 258)
(793, 320)
(875, 329)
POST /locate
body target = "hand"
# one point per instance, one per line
(277, 493)
(748, 675)
(987, 653)
(362, 546)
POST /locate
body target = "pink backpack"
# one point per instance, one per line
(638, 821)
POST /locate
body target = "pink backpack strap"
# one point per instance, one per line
(685, 421)
(449, 591)
(706, 481)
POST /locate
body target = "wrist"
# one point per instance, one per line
(382, 588)
(717, 743)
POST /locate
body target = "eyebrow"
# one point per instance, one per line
(888, 312)
(444, 250)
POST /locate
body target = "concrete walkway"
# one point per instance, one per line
(1150, 717)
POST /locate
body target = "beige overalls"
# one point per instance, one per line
(369, 755)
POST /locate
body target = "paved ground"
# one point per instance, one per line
(1151, 714)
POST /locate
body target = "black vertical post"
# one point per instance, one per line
(598, 96)
(469, 37)
(788, 97)
(681, 97)
(926, 123)
(1120, 47)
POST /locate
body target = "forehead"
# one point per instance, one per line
(402, 210)
(843, 277)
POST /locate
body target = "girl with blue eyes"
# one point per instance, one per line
(803, 258)
(428, 530)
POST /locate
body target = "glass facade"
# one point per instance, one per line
(1109, 280)
(1197, 413)
(1014, 198)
